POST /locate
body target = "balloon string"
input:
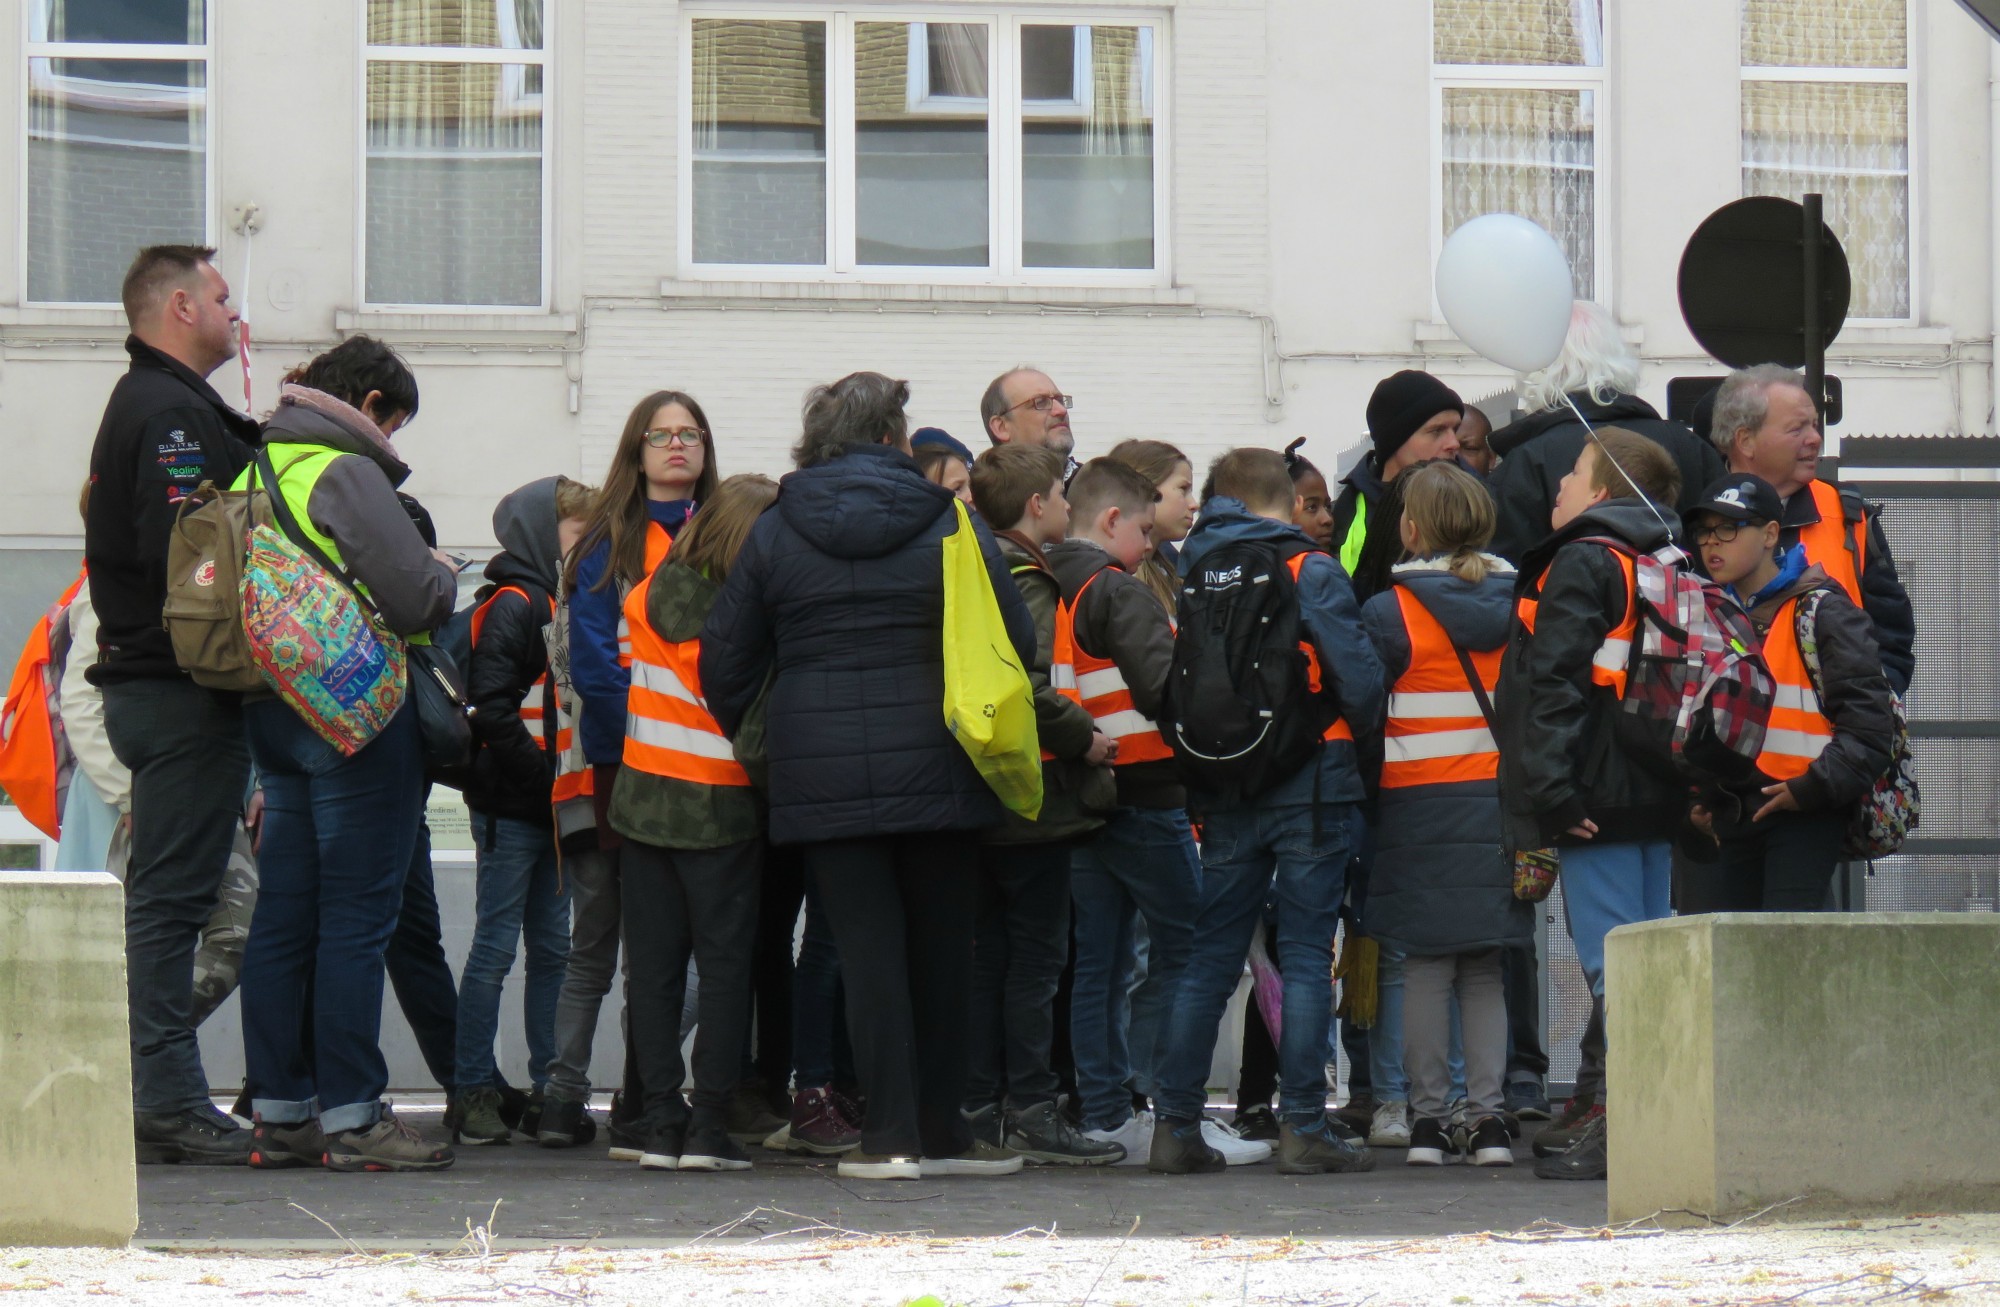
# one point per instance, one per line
(1644, 498)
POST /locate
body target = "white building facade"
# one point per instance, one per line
(1212, 221)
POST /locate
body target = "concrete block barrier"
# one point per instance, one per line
(67, 1174)
(1832, 1063)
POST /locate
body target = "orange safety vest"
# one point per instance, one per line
(1799, 730)
(1436, 733)
(1608, 664)
(1100, 687)
(668, 729)
(1830, 543)
(1339, 730)
(658, 542)
(534, 706)
(31, 765)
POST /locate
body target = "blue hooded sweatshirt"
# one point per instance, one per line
(1349, 668)
(593, 642)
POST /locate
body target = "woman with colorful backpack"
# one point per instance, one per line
(340, 822)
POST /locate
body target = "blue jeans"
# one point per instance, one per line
(1385, 1038)
(1611, 885)
(1144, 858)
(1249, 855)
(518, 897)
(339, 835)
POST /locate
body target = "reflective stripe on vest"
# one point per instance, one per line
(658, 542)
(1339, 730)
(668, 730)
(533, 705)
(1608, 664)
(1436, 733)
(1357, 536)
(1100, 687)
(1842, 551)
(1799, 731)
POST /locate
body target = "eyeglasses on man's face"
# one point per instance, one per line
(1043, 403)
(685, 437)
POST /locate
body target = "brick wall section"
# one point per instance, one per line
(90, 207)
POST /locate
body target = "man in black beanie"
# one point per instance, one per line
(1412, 417)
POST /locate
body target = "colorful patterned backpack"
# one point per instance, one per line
(1890, 810)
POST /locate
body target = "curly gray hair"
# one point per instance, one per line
(1745, 398)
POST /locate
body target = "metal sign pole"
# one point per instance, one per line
(1815, 342)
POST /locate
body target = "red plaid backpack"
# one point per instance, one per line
(1696, 682)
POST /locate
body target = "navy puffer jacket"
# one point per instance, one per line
(1440, 882)
(840, 589)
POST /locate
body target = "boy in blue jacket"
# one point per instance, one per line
(1289, 841)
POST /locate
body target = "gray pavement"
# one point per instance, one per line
(571, 1196)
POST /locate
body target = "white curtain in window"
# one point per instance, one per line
(958, 57)
(1539, 33)
(1850, 141)
(1087, 172)
(1529, 151)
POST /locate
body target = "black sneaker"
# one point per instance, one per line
(565, 1124)
(521, 1110)
(662, 1149)
(986, 1122)
(1041, 1134)
(1490, 1144)
(1257, 1122)
(274, 1146)
(1432, 1143)
(709, 1149)
(1576, 1118)
(1179, 1149)
(628, 1139)
(1316, 1150)
(1586, 1159)
(200, 1136)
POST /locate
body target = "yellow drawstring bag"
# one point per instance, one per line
(989, 706)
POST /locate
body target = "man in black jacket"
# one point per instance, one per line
(165, 431)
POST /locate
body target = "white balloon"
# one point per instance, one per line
(1505, 288)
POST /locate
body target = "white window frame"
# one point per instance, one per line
(34, 46)
(546, 102)
(1594, 78)
(1003, 127)
(1907, 78)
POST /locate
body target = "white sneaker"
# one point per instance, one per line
(1391, 1128)
(1136, 1135)
(1235, 1150)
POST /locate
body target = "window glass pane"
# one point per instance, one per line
(759, 141)
(1048, 63)
(920, 144)
(122, 22)
(1825, 33)
(454, 184)
(1527, 151)
(31, 580)
(485, 24)
(1087, 164)
(117, 159)
(1850, 141)
(1538, 32)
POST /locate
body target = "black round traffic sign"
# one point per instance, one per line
(1742, 283)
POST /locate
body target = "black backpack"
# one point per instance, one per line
(1242, 714)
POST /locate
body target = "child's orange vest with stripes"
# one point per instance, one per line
(1436, 733)
(668, 729)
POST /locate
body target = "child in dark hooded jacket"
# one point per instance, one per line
(1441, 895)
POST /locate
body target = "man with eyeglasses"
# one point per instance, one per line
(1025, 407)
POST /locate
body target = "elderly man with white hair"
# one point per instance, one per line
(1597, 372)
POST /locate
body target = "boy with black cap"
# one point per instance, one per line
(1832, 730)
(1412, 416)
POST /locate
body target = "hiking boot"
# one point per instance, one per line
(819, 1126)
(1567, 1128)
(1526, 1099)
(1489, 1143)
(520, 1110)
(1432, 1143)
(858, 1165)
(1390, 1127)
(749, 1118)
(388, 1145)
(1135, 1136)
(661, 1150)
(480, 1122)
(986, 1123)
(1235, 1150)
(1586, 1159)
(1315, 1149)
(1359, 1114)
(1257, 1123)
(565, 1124)
(710, 1149)
(274, 1145)
(199, 1136)
(980, 1159)
(1041, 1134)
(1179, 1149)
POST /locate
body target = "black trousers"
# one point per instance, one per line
(1257, 1077)
(1521, 978)
(1784, 863)
(902, 910)
(677, 903)
(1021, 941)
(784, 893)
(1590, 1051)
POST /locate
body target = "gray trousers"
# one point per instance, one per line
(592, 877)
(1428, 983)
